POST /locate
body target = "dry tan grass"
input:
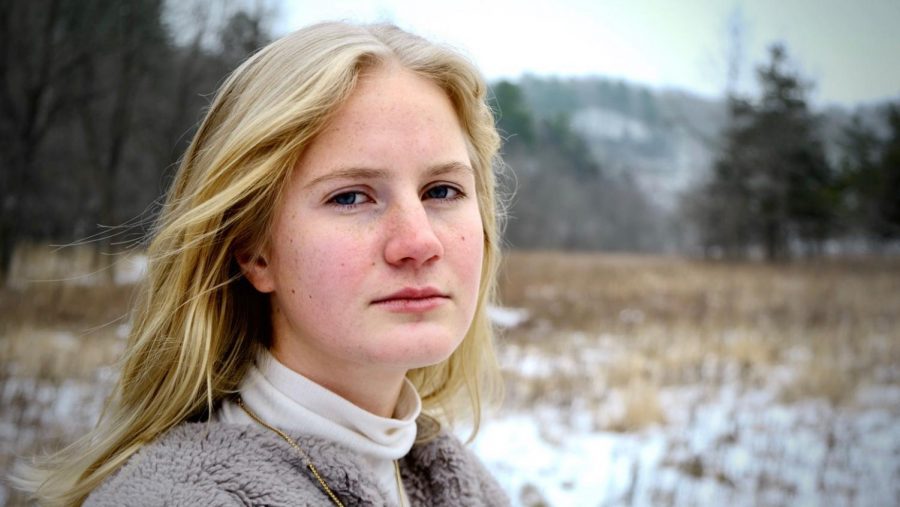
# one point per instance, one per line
(62, 330)
(582, 291)
(59, 305)
(36, 262)
(641, 407)
(664, 321)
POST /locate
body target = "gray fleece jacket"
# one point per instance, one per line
(219, 464)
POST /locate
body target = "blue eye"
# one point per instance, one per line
(442, 192)
(348, 198)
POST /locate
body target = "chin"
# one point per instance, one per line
(421, 349)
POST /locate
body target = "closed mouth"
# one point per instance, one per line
(413, 300)
(411, 294)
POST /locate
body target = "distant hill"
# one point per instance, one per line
(664, 139)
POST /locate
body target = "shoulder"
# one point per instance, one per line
(207, 464)
(446, 472)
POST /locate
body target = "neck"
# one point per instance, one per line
(373, 390)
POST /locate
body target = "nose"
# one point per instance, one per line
(411, 239)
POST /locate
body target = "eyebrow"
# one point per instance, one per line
(449, 167)
(362, 173)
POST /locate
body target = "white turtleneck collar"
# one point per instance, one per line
(291, 402)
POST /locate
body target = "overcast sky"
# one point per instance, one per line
(851, 49)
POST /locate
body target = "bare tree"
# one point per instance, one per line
(42, 42)
(97, 99)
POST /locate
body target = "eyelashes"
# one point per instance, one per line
(447, 192)
(352, 199)
(349, 199)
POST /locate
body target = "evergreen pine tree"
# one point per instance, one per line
(771, 184)
(889, 198)
(860, 180)
(514, 120)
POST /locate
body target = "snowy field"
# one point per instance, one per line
(725, 446)
(629, 381)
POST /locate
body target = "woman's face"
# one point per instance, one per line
(375, 255)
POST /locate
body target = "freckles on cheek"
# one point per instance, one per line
(467, 260)
(331, 269)
(327, 262)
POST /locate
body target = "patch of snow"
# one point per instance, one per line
(507, 317)
(122, 330)
(130, 269)
(879, 395)
(65, 342)
(600, 123)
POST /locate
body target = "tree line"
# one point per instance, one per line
(98, 100)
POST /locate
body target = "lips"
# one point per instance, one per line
(413, 300)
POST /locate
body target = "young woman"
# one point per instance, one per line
(317, 291)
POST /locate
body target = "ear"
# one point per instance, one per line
(257, 270)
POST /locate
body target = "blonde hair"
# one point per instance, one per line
(198, 323)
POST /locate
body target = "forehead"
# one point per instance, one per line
(390, 89)
(392, 117)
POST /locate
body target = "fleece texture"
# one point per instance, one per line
(220, 464)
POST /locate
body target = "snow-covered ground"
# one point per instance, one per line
(736, 449)
(719, 441)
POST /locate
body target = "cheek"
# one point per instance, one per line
(469, 253)
(318, 264)
(339, 269)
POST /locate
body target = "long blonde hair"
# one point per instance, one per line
(198, 323)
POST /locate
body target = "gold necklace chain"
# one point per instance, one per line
(293, 443)
(309, 464)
